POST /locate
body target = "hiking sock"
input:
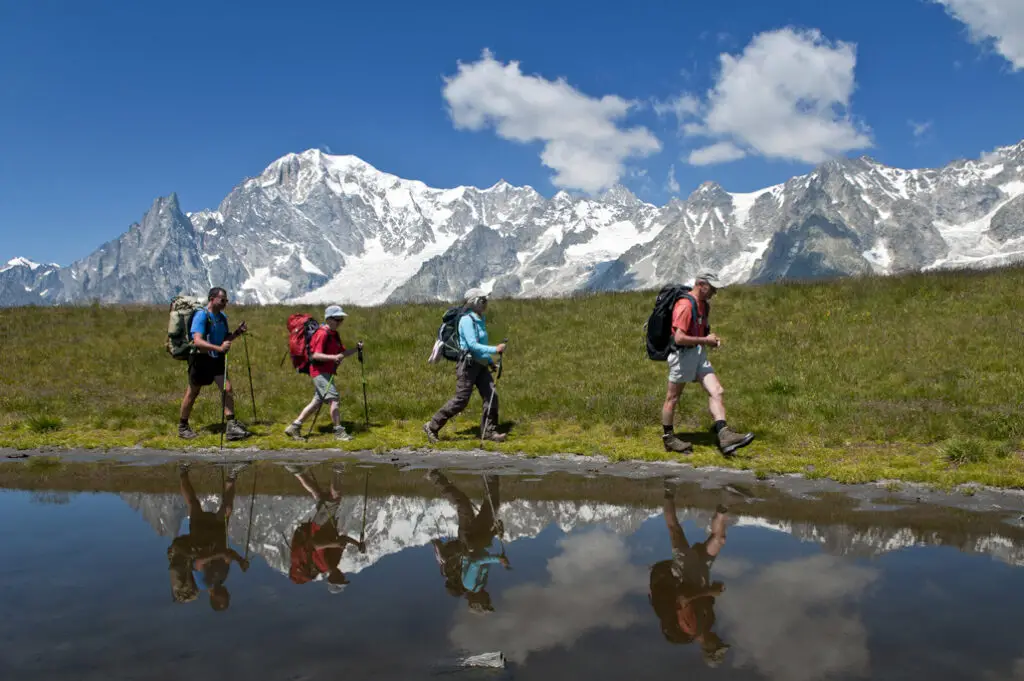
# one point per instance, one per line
(718, 426)
(667, 429)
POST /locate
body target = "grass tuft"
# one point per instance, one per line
(44, 424)
(778, 386)
(962, 451)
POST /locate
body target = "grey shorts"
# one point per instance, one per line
(689, 365)
(324, 389)
(326, 511)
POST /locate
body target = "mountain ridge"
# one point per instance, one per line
(314, 228)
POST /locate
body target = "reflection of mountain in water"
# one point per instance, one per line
(395, 523)
(392, 523)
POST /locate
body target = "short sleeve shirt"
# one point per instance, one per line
(326, 342)
(682, 317)
(218, 327)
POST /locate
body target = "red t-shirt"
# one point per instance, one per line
(326, 342)
(682, 317)
(308, 562)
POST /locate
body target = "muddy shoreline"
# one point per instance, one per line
(880, 495)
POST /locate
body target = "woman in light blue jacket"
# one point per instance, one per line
(473, 370)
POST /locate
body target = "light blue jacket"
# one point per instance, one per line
(473, 337)
(475, 571)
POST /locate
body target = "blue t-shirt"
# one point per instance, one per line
(218, 327)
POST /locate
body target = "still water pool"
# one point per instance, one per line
(357, 571)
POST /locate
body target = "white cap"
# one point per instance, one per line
(335, 588)
(709, 277)
(474, 293)
(334, 311)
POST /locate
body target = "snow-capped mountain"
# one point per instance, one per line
(315, 227)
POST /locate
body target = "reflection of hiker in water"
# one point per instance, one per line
(317, 545)
(681, 591)
(465, 561)
(203, 551)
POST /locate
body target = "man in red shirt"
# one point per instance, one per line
(688, 363)
(326, 353)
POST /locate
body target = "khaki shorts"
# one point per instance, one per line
(323, 391)
(689, 365)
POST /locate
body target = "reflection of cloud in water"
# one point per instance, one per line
(730, 568)
(794, 621)
(590, 583)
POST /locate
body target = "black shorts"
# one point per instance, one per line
(202, 368)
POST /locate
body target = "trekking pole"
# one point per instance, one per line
(252, 504)
(366, 492)
(223, 403)
(494, 391)
(498, 525)
(366, 408)
(248, 366)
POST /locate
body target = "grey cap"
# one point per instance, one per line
(334, 311)
(473, 294)
(336, 588)
(709, 277)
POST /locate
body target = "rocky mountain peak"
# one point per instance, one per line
(620, 195)
(709, 194)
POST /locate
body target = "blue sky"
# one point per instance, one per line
(107, 105)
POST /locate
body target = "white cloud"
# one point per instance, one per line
(591, 585)
(786, 97)
(583, 141)
(672, 184)
(1000, 22)
(919, 129)
(682, 107)
(796, 620)
(720, 152)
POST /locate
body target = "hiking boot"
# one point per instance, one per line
(237, 468)
(294, 431)
(340, 434)
(729, 440)
(233, 430)
(431, 434)
(239, 424)
(494, 436)
(674, 444)
(186, 433)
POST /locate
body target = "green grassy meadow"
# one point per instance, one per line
(917, 378)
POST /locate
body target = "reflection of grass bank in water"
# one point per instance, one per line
(955, 527)
(854, 380)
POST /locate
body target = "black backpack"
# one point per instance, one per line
(448, 334)
(658, 329)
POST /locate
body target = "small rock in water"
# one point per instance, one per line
(494, 660)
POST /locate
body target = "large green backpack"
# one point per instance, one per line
(182, 310)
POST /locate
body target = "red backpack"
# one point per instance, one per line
(301, 328)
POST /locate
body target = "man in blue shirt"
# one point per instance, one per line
(206, 364)
(472, 370)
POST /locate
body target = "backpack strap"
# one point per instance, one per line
(693, 310)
